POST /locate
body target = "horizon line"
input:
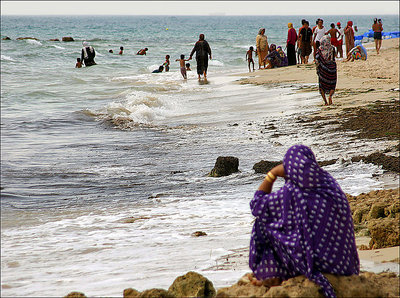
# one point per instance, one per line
(200, 15)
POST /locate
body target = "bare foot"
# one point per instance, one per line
(270, 282)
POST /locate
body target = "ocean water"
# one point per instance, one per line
(85, 150)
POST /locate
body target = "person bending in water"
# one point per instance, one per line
(188, 67)
(142, 51)
(88, 54)
(160, 69)
(249, 57)
(121, 50)
(303, 228)
(78, 63)
(202, 49)
(182, 66)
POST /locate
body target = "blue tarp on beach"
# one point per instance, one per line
(385, 35)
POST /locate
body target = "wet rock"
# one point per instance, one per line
(192, 284)
(384, 233)
(376, 211)
(131, 293)
(199, 234)
(389, 163)
(67, 38)
(6, 38)
(224, 166)
(327, 162)
(54, 39)
(22, 38)
(264, 166)
(75, 295)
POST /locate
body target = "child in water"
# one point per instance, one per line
(166, 63)
(249, 57)
(121, 50)
(188, 67)
(78, 63)
(182, 65)
(142, 51)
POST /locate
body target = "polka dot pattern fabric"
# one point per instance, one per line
(304, 228)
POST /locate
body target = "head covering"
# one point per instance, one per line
(261, 30)
(272, 47)
(350, 23)
(326, 48)
(85, 44)
(338, 23)
(305, 227)
(201, 36)
(290, 25)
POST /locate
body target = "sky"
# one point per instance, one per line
(199, 7)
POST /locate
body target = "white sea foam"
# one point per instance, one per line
(7, 58)
(58, 47)
(34, 42)
(215, 62)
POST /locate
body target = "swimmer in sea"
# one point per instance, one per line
(121, 50)
(111, 51)
(78, 63)
(160, 69)
(188, 67)
(249, 57)
(142, 51)
(166, 63)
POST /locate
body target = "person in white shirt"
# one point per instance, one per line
(319, 32)
(340, 40)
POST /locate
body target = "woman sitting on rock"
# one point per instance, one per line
(304, 228)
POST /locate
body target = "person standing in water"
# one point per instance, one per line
(203, 50)
(88, 54)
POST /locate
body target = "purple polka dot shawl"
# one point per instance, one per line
(304, 228)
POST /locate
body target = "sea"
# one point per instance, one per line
(104, 169)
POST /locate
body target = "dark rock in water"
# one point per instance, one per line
(192, 284)
(6, 38)
(388, 162)
(224, 166)
(199, 234)
(21, 38)
(75, 295)
(265, 166)
(54, 39)
(384, 233)
(327, 162)
(67, 38)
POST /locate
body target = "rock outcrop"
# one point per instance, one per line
(364, 285)
(6, 38)
(264, 166)
(67, 38)
(377, 214)
(54, 39)
(224, 166)
(192, 284)
(22, 38)
(75, 295)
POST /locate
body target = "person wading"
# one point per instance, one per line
(203, 50)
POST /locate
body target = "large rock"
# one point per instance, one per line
(54, 39)
(224, 166)
(131, 293)
(151, 293)
(75, 295)
(67, 38)
(264, 166)
(376, 211)
(192, 284)
(384, 233)
(21, 38)
(367, 284)
(6, 38)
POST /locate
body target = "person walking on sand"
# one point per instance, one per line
(377, 27)
(319, 32)
(349, 37)
(87, 54)
(303, 228)
(203, 50)
(334, 34)
(326, 68)
(340, 40)
(305, 37)
(291, 44)
(262, 47)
